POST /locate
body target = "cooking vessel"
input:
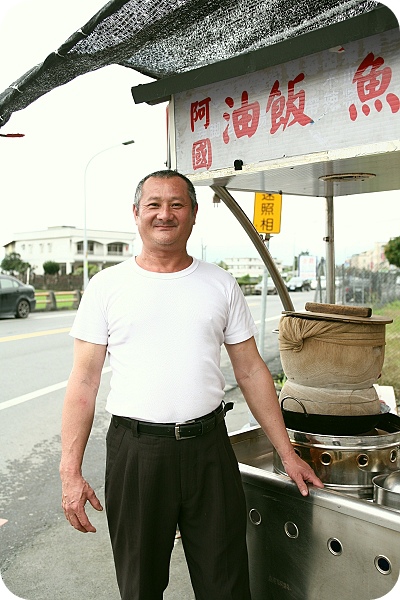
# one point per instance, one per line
(333, 424)
(387, 489)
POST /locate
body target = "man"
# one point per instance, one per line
(162, 317)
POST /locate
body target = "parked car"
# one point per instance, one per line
(16, 298)
(271, 289)
(357, 290)
(319, 283)
(298, 284)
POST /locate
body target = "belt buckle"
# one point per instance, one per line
(178, 435)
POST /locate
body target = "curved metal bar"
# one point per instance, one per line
(263, 251)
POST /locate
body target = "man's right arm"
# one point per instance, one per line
(77, 419)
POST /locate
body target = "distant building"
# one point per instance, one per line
(64, 245)
(371, 260)
(254, 267)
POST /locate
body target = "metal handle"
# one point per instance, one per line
(296, 400)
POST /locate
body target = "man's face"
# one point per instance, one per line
(165, 217)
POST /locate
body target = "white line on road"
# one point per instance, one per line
(53, 315)
(38, 393)
(269, 319)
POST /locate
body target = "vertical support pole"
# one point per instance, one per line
(330, 251)
(261, 336)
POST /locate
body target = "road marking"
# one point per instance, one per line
(269, 319)
(24, 336)
(3, 522)
(38, 393)
(52, 315)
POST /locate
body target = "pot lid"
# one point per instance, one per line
(338, 312)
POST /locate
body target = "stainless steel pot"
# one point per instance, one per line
(387, 489)
(347, 463)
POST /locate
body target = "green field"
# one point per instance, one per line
(64, 300)
(391, 365)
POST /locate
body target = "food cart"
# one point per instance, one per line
(315, 116)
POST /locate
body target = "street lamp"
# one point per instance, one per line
(85, 240)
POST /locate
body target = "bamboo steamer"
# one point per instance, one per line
(332, 355)
(328, 401)
(322, 364)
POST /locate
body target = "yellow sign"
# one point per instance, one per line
(267, 212)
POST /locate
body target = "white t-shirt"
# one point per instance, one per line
(164, 333)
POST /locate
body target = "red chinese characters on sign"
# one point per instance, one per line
(200, 111)
(202, 154)
(372, 80)
(245, 119)
(201, 149)
(287, 111)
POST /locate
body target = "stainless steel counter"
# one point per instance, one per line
(320, 547)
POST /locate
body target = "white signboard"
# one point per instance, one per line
(334, 99)
(307, 266)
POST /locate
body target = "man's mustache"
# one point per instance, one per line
(168, 223)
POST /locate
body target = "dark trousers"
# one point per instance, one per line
(153, 484)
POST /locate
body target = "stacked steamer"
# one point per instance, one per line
(332, 355)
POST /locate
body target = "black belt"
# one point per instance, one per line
(179, 431)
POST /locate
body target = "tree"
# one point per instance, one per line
(13, 264)
(222, 264)
(50, 267)
(392, 251)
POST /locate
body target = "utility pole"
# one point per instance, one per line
(261, 340)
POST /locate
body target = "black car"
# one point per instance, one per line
(16, 298)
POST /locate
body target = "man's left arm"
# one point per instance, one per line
(257, 386)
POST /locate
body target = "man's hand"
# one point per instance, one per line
(75, 492)
(301, 472)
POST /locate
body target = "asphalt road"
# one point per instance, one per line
(35, 361)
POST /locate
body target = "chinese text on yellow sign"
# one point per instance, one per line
(267, 212)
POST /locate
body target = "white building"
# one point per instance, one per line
(64, 245)
(254, 267)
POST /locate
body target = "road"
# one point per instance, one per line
(35, 359)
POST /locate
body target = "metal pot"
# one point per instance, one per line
(349, 463)
(387, 489)
(328, 424)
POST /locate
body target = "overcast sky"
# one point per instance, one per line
(42, 174)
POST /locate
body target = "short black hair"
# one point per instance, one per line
(165, 174)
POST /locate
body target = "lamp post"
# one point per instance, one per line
(85, 240)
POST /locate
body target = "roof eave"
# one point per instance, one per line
(376, 21)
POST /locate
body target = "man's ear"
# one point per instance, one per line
(135, 211)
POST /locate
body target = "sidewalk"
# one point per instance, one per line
(64, 564)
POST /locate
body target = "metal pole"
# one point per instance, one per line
(330, 252)
(264, 293)
(263, 251)
(85, 239)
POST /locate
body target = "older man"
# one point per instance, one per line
(162, 317)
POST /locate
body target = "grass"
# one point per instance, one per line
(391, 365)
(64, 300)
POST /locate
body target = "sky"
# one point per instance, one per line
(74, 135)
